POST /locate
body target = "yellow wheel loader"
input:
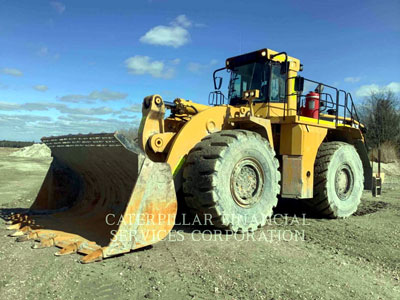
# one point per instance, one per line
(104, 195)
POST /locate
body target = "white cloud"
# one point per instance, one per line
(12, 120)
(394, 87)
(33, 127)
(106, 95)
(166, 36)
(8, 106)
(62, 108)
(197, 68)
(127, 117)
(40, 106)
(366, 90)
(43, 51)
(352, 79)
(175, 35)
(12, 72)
(86, 111)
(140, 65)
(58, 6)
(103, 95)
(137, 107)
(194, 67)
(17, 124)
(175, 61)
(182, 20)
(41, 87)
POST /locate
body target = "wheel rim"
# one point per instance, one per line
(344, 182)
(247, 182)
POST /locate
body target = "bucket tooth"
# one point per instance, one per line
(22, 231)
(18, 233)
(69, 249)
(18, 217)
(20, 224)
(44, 243)
(14, 226)
(14, 216)
(28, 237)
(12, 219)
(22, 238)
(96, 255)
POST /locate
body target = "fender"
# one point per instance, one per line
(259, 125)
(200, 125)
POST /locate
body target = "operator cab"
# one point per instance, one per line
(254, 71)
(271, 78)
(263, 76)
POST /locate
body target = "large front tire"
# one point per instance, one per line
(233, 177)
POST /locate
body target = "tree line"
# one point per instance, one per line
(380, 113)
(15, 144)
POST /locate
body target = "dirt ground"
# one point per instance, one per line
(292, 258)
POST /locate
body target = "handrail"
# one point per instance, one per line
(216, 98)
(342, 104)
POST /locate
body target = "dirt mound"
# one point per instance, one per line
(392, 168)
(34, 151)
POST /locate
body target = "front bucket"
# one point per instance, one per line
(101, 197)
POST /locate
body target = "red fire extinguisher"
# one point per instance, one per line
(311, 109)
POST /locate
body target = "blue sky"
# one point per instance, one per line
(84, 66)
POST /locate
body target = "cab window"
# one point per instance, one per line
(277, 88)
(246, 77)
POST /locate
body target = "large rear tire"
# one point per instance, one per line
(233, 177)
(338, 181)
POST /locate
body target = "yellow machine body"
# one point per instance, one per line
(101, 189)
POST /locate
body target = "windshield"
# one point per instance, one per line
(248, 77)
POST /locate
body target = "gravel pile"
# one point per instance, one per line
(34, 151)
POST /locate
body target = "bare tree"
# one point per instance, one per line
(381, 116)
(130, 133)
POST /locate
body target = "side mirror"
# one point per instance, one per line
(299, 84)
(284, 67)
(217, 83)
